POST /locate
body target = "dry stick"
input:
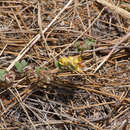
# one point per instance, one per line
(113, 49)
(121, 113)
(117, 9)
(93, 105)
(104, 93)
(3, 49)
(17, 21)
(21, 103)
(53, 122)
(14, 103)
(89, 16)
(90, 123)
(50, 53)
(101, 49)
(36, 38)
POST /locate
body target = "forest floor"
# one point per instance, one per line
(64, 65)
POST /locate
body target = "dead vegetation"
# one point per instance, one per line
(43, 96)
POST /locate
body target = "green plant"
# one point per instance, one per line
(20, 65)
(2, 73)
(58, 65)
(87, 45)
(78, 47)
(38, 69)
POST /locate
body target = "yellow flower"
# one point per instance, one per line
(64, 61)
(71, 61)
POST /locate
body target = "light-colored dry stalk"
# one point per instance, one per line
(91, 124)
(113, 49)
(93, 105)
(105, 93)
(19, 99)
(121, 113)
(3, 49)
(116, 9)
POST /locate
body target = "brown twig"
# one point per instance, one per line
(114, 48)
(117, 9)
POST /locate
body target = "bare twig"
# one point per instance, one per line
(114, 48)
(117, 9)
(18, 97)
(91, 124)
(3, 49)
(105, 93)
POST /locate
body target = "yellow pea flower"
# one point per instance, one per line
(71, 61)
(64, 61)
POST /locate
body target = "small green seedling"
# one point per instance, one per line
(87, 45)
(58, 65)
(20, 66)
(78, 47)
(2, 73)
(38, 69)
(44, 76)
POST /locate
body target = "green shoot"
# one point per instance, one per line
(58, 65)
(2, 73)
(37, 70)
(87, 45)
(20, 66)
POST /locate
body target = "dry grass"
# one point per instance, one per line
(40, 32)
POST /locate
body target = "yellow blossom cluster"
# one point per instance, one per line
(71, 61)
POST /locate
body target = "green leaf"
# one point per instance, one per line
(2, 73)
(20, 66)
(23, 63)
(89, 44)
(57, 65)
(78, 47)
(37, 69)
